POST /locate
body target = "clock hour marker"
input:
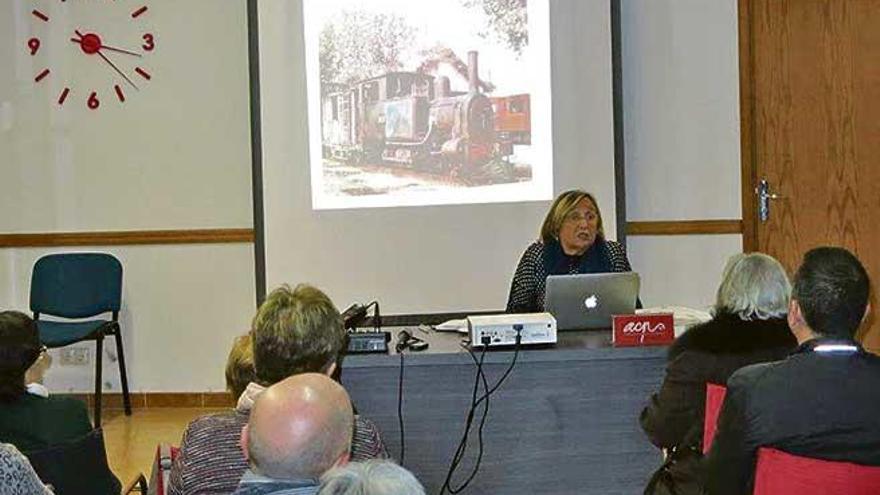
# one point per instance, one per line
(63, 96)
(119, 93)
(41, 75)
(40, 15)
(93, 103)
(143, 73)
(34, 45)
(138, 12)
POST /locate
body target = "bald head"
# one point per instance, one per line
(299, 428)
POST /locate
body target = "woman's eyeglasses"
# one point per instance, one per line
(577, 217)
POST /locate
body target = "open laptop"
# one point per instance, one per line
(588, 300)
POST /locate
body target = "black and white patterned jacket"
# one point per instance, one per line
(529, 281)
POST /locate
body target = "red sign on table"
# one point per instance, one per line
(646, 329)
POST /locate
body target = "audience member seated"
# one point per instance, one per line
(32, 421)
(748, 327)
(375, 477)
(572, 241)
(34, 376)
(17, 477)
(294, 331)
(241, 377)
(298, 429)
(820, 402)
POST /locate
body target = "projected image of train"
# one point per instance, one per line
(413, 120)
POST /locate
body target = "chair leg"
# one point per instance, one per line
(123, 376)
(99, 366)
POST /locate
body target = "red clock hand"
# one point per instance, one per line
(117, 70)
(91, 44)
(111, 48)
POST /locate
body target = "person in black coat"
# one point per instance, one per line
(822, 401)
(748, 326)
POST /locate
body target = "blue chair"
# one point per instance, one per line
(78, 286)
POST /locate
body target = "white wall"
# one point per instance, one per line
(681, 124)
(174, 155)
(183, 304)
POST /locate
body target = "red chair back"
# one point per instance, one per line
(714, 399)
(159, 479)
(780, 473)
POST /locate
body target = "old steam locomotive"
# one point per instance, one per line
(413, 119)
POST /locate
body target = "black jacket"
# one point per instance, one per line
(706, 353)
(824, 405)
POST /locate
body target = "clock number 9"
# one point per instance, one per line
(93, 102)
(149, 44)
(34, 45)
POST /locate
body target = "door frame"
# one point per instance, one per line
(748, 148)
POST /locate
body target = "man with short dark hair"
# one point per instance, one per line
(822, 401)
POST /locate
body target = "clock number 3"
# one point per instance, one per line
(34, 45)
(149, 44)
(93, 102)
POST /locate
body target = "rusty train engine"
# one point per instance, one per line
(413, 119)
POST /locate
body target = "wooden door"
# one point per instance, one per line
(810, 103)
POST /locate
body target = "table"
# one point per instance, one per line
(565, 421)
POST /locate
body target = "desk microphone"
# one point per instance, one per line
(403, 339)
(406, 340)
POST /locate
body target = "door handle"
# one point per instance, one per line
(764, 197)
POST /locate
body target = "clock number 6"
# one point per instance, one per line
(93, 102)
(149, 44)
(34, 45)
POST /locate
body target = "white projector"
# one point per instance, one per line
(501, 330)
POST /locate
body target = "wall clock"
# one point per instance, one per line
(107, 40)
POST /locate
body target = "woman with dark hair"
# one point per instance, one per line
(748, 326)
(28, 421)
(572, 241)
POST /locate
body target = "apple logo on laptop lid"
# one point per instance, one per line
(591, 302)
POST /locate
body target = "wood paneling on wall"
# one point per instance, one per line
(120, 238)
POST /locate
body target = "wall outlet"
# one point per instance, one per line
(75, 356)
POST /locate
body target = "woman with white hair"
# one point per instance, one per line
(373, 477)
(749, 326)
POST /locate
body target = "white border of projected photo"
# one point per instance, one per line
(428, 102)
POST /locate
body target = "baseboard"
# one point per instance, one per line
(152, 400)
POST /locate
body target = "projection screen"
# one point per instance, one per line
(410, 149)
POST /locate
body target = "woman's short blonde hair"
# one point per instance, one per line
(564, 204)
(240, 365)
(754, 286)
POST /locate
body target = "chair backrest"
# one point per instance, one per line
(714, 399)
(780, 473)
(77, 467)
(76, 285)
